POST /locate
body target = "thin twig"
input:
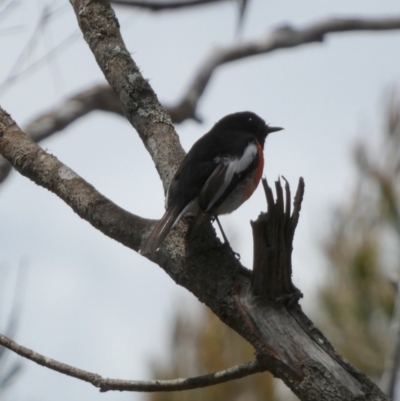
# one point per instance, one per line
(163, 5)
(47, 57)
(31, 44)
(105, 384)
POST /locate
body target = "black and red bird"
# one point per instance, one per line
(219, 173)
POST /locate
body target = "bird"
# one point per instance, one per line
(218, 174)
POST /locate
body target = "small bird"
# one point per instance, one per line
(219, 173)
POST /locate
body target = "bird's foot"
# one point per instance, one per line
(228, 246)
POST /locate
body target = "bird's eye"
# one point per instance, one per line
(250, 119)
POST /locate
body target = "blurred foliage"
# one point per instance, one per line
(363, 250)
(207, 345)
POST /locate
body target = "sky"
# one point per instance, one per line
(92, 303)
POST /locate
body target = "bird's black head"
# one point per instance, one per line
(247, 122)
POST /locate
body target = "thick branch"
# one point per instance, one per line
(138, 101)
(46, 170)
(284, 339)
(102, 97)
(235, 372)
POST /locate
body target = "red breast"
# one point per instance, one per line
(253, 184)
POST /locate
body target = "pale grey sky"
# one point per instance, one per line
(94, 304)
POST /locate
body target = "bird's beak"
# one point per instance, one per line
(273, 129)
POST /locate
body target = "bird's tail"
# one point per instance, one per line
(196, 223)
(161, 230)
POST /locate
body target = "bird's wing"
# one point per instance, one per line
(188, 181)
(227, 174)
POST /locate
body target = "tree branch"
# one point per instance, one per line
(235, 372)
(138, 100)
(98, 97)
(285, 341)
(102, 97)
(283, 37)
(164, 5)
(46, 170)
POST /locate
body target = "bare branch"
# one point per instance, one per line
(285, 341)
(100, 97)
(32, 67)
(281, 38)
(46, 170)
(233, 373)
(138, 100)
(284, 37)
(164, 5)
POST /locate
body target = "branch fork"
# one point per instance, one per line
(262, 309)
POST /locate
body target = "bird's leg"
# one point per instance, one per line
(226, 242)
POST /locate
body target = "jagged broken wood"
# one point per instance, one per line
(273, 234)
(289, 341)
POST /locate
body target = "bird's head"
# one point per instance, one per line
(247, 122)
